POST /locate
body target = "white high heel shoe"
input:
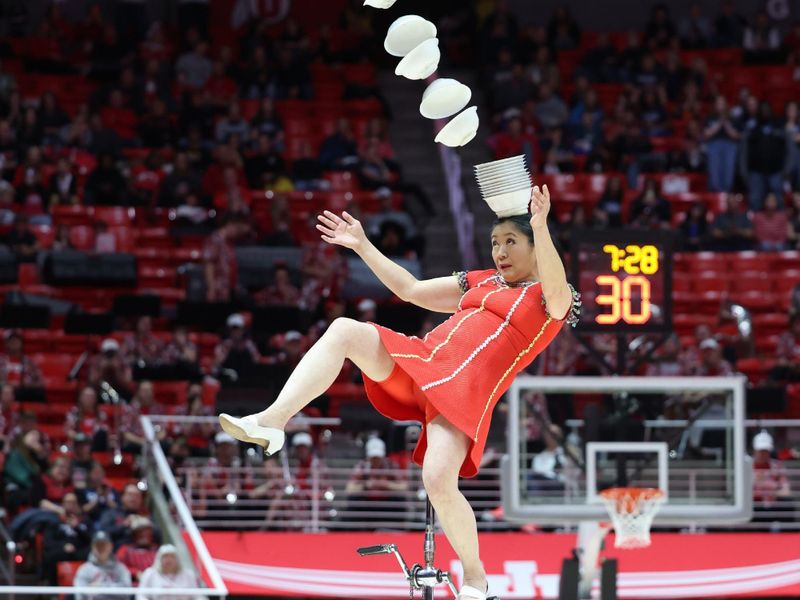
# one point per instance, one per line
(246, 429)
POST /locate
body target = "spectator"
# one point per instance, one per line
(194, 68)
(116, 521)
(110, 366)
(711, 362)
(387, 212)
(306, 168)
(9, 409)
(167, 573)
(142, 346)
(376, 479)
(181, 351)
(82, 461)
(765, 155)
(219, 259)
(787, 367)
(87, 419)
(138, 554)
(143, 403)
(68, 538)
(22, 469)
(770, 482)
(180, 183)
(281, 292)
(771, 226)
(63, 184)
(233, 124)
(97, 496)
(729, 26)
(514, 141)
(222, 479)
(732, 229)
(547, 476)
(268, 122)
(16, 368)
(106, 185)
(668, 361)
(660, 29)
(792, 125)
(237, 351)
(339, 150)
(21, 240)
(695, 30)
(694, 227)
(197, 435)
(102, 569)
(563, 32)
(105, 242)
(762, 40)
(650, 210)
(551, 111)
(721, 146)
(266, 161)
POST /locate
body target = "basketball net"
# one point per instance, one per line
(632, 511)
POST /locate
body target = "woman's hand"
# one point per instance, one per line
(344, 231)
(540, 206)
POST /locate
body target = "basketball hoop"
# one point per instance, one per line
(632, 510)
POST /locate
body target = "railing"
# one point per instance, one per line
(326, 505)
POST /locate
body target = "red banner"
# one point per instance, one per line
(518, 565)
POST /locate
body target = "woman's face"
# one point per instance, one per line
(513, 254)
(169, 563)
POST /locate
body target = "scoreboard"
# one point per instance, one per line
(625, 279)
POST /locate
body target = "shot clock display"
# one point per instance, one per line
(625, 279)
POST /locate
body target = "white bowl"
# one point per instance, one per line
(443, 98)
(461, 128)
(379, 3)
(511, 203)
(503, 186)
(421, 62)
(503, 181)
(505, 190)
(406, 33)
(496, 164)
(512, 174)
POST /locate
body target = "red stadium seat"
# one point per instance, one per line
(750, 281)
(770, 323)
(749, 261)
(114, 216)
(82, 237)
(710, 282)
(72, 214)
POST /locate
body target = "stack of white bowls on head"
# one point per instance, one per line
(414, 40)
(505, 185)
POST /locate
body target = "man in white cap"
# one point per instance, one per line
(377, 478)
(109, 366)
(367, 310)
(237, 351)
(711, 362)
(224, 476)
(770, 483)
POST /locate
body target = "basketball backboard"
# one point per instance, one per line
(684, 435)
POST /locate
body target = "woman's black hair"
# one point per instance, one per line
(521, 222)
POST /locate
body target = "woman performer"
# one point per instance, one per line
(450, 380)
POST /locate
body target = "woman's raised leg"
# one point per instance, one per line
(318, 369)
(447, 448)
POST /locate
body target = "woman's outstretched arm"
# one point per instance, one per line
(551, 270)
(440, 294)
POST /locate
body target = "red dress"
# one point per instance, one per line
(462, 367)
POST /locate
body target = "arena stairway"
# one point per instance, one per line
(412, 139)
